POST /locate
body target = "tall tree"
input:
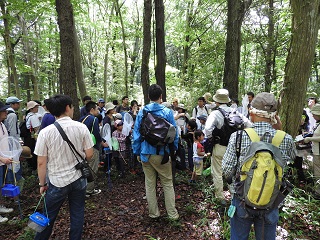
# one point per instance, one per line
(236, 12)
(160, 48)
(12, 70)
(145, 80)
(305, 27)
(67, 67)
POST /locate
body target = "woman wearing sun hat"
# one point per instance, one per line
(315, 139)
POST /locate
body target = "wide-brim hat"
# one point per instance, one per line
(31, 105)
(109, 106)
(13, 100)
(3, 107)
(265, 101)
(26, 152)
(316, 109)
(221, 96)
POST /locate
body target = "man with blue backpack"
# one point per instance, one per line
(154, 139)
(255, 159)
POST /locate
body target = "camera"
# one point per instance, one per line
(84, 168)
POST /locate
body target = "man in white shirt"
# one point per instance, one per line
(57, 161)
(216, 121)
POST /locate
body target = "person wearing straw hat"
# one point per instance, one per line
(214, 122)
(33, 123)
(56, 163)
(4, 161)
(110, 110)
(315, 140)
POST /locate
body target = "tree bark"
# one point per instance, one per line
(29, 57)
(67, 75)
(305, 27)
(160, 69)
(236, 12)
(9, 50)
(124, 48)
(78, 65)
(270, 51)
(145, 80)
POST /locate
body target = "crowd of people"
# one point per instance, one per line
(99, 137)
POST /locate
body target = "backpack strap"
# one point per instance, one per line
(278, 138)
(253, 135)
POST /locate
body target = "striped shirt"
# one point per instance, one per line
(229, 161)
(60, 160)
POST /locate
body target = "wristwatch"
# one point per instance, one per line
(44, 185)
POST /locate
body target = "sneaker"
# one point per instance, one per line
(3, 219)
(94, 192)
(4, 209)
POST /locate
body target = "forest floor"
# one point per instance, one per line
(120, 212)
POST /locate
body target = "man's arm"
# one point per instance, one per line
(42, 170)
(229, 160)
(89, 153)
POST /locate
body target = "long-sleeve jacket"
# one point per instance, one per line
(143, 148)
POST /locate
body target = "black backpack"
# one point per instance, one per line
(232, 123)
(24, 131)
(156, 130)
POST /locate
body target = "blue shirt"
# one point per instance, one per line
(143, 148)
(47, 120)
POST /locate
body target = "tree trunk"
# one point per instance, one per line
(145, 81)
(236, 12)
(67, 67)
(270, 49)
(160, 70)
(124, 48)
(305, 26)
(9, 50)
(29, 57)
(78, 65)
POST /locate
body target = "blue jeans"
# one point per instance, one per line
(55, 197)
(264, 224)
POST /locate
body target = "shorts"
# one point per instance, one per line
(198, 166)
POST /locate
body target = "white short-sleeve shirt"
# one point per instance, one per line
(61, 161)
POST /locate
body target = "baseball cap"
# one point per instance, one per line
(101, 100)
(13, 100)
(118, 123)
(118, 116)
(3, 107)
(202, 117)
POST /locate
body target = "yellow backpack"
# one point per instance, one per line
(261, 172)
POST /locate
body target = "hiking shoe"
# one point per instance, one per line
(4, 209)
(3, 219)
(94, 192)
(178, 197)
(191, 181)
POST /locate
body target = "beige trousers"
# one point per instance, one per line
(216, 169)
(94, 166)
(316, 173)
(151, 168)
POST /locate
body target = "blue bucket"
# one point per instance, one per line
(10, 190)
(38, 222)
